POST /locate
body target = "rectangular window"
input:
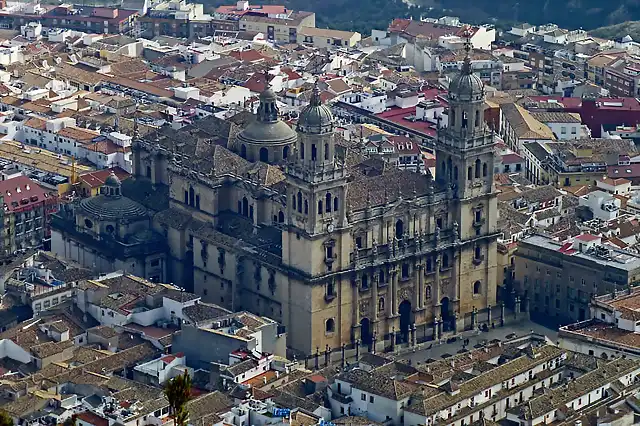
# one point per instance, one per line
(363, 397)
(371, 399)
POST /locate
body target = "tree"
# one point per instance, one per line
(5, 419)
(178, 391)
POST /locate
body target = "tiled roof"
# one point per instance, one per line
(377, 384)
(524, 124)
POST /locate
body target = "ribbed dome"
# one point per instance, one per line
(466, 86)
(316, 118)
(110, 204)
(105, 207)
(268, 129)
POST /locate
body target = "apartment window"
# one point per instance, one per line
(563, 130)
(371, 399)
(363, 397)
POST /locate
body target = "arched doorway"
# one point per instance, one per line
(243, 151)
(406, 318)
(447, 316)
(365, 331)
(264, 155)
(245, 206)
(285, 153)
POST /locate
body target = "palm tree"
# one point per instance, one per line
(5, 419)
(178, 391)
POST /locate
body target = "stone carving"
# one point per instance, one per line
(445, 287)
(363, 308)
(436, 235)
(456, 231)
(405, 294)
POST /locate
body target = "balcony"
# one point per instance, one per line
(477, 223)
(329, 297)
(328, 260)
(478, 260)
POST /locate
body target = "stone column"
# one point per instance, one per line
(356, 310)
(327, 355)
(454, 276)
(474, 318)
(455, 323)
(436, 291)
(501, 314)
(414, 330)
(374, 296)
(393, 338)
(489, 316)
(343, 355)
(516, 307)
(420, 268)
(436, 328)
(394, 291)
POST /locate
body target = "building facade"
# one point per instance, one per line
(281, 223)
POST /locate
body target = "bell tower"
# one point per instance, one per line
(316, 190)
(465, 153)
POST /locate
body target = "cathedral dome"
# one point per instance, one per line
(268, 129)
(466, 86)
(316, 118)
(111, 205)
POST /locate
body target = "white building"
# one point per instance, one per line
(603, 205)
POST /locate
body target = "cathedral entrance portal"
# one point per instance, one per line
(447, 315)
(365, 331)
(405, 319)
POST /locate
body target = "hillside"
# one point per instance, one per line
(363, 15)
(617, 31)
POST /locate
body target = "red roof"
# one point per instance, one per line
(92, 419)
(168, 359)
(587, 238)
(22, 192)
(398, 116)
(567, 248)
(97, 178)
(511, 159)
(248, 55)
(629, 171)
(291, 74)
(256, 83)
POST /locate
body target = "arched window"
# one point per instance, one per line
(264, 155)
(285, 152)
(326, 151)
(470, 173)
(477, 118)
(330, 325)
(365, 281)
(281, 217)
(445, 260)
(191, 196)
(299, 202)
(399, 229)
(477, 252)
(452, 113)
(381, 304)
(186, 197)
(428, 292)
(476, 287)
(294, 202)
(306, 207)
(455, 173)
(327, 203)
(478, 168)
(484, 170)
(240, 206)
(149, 171)
(320, 211)
(301, 151)
(245, 206)
(335, 204)
(314, 152)
(243, 151)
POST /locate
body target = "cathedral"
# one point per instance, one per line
(289, 224)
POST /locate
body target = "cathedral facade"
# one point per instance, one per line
(287, 224)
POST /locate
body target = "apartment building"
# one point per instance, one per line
(322, 37)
